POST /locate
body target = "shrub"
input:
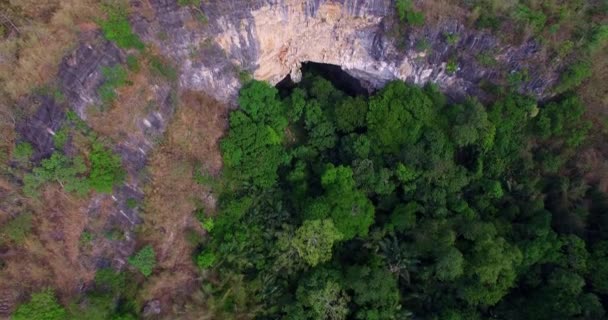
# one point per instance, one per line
(131, 203)
(144, 260)
(452, 66)
(116, 28)
(110, 280)
(162, 68)
(42, 306)
(406, 13)
(106, 169)
(574, 76)
(206, 259)
(132, 63)
(23, 152)
(61, 137)
(451, 38)
(18, 228)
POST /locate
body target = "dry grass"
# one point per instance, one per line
(31, 58)
(50, 256)
(123, 117)
(173, 195)
(198, 126)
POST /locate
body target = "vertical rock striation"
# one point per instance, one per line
(271, 38)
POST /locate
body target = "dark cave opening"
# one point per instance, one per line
(334, 73)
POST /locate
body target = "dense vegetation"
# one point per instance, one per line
(402, 204)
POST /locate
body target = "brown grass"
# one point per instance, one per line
(31, 59)
(50, 256)
(173, 195)
(122, 118)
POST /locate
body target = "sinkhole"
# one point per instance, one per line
(340, 79)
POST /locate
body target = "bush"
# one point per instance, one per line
(117, 28)
(406, 13)
(18, 228)
(106, 169)
(61, 137)
(42, 306)
(574, 76)
(144, 260)
(23, 152)
(206, 259)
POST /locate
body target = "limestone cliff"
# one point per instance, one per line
(271, 38)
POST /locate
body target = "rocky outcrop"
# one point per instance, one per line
(271, 39)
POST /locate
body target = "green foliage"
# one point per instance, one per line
(252, 150)
(133, 63)
(206, 259)
(532, 18)
(131, 203)
(17, 228)
(42, 306)
(452, 66)
(396, 116)
(61, 137)
(404, 205)
(86, 238)
(314, 240)
(69, 173)
(116, 28)
(574, 76)
(451, 38)
(115, 77)
(406, 13)
(196, 3)
(163, 68)
(23, 152)
(106, 169)
(144, 260)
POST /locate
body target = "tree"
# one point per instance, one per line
(350, 210)
(315, 239)
(69, 173)
(42, 306)
(375, 293)
(350, 114)
(397, 115)
(320, 296)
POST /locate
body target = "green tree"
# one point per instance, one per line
(69, 173)
(397, 115)
(315, 239)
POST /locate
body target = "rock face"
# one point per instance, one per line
(271, 38)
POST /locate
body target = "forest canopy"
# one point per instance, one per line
(403, 205)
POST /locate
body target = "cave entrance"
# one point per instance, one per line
(334, 73)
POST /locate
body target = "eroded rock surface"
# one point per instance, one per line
(270, 39)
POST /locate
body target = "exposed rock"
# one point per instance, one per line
(39, 129)
(151, 308)
(271, 39)
(80, 72)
